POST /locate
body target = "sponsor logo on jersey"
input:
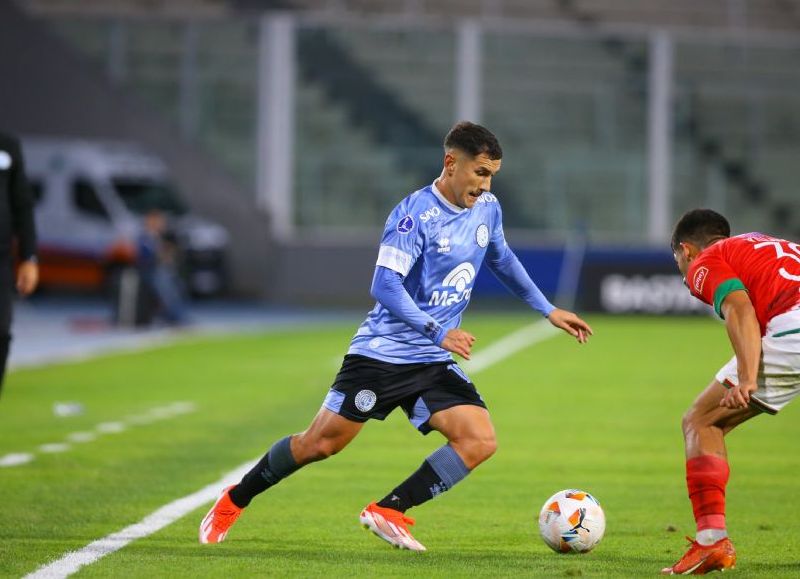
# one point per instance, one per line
(365, 400)
(455, 284)
(700, 279)
(405, 225)
(487, 198)
(444, 245)
(432, 212)
(482, 235)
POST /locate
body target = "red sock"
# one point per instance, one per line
(706, 477)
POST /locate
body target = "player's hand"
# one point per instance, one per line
(27, 277)
(571, 324)
(738, 396)
(459, 342)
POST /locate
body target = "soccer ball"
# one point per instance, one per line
(572, 521)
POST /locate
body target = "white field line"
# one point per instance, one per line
(71, 562)
(16, 458)
(510, 345)
(154, 414)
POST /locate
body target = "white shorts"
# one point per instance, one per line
(779, 371)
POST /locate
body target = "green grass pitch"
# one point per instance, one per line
(604, 417)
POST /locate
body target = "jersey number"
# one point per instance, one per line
(781, 252)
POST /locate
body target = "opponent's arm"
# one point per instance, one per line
(388, 289)
(511, 273)
(745, 335)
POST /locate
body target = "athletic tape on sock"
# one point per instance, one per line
(280, 462)
(448, 465)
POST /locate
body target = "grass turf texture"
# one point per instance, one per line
(603, 417)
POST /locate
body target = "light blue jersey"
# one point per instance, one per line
(438, 247)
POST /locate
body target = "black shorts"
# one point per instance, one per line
(368, 388)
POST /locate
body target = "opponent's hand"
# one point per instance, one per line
(27, 277)
(571, 324)
(738, 396)
(459, 342)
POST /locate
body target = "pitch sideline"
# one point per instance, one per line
(72, 561)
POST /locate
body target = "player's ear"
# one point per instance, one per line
(689, 250)
(450, 162)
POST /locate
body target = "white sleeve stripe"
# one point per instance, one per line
(394, 259)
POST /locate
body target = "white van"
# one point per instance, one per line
(90, 199)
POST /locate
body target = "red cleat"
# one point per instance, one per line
(391, 526)
(220, 519)
(702, 559)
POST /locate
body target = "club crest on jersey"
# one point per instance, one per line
(365, 400)
(482, 235)
(700, 279)
(405, 225)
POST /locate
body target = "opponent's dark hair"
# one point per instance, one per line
(699, 226)
(473, 139)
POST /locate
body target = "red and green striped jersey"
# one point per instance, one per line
(766, 267)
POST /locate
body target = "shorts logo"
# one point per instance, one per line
(405, 225)
(482, 235)
(365, 400)
(699, 279)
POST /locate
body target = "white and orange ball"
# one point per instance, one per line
(572, 521)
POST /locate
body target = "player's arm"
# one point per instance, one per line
(388, 289)
(21, 201)
(745, 335)
(512, 274)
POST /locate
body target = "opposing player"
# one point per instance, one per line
(433, 245)
(753, 282)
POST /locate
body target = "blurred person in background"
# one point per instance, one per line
(753, 282)
(16, 226)
(157, 263)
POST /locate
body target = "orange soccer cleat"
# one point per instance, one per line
(220, 519)
(702, 559)
(391, 526)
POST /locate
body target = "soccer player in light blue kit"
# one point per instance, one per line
(433, 245)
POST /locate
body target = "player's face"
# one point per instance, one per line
(468, 177)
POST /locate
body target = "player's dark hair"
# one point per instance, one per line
(474, 140)
(699, 226)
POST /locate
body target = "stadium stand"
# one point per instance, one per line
(555, 100)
